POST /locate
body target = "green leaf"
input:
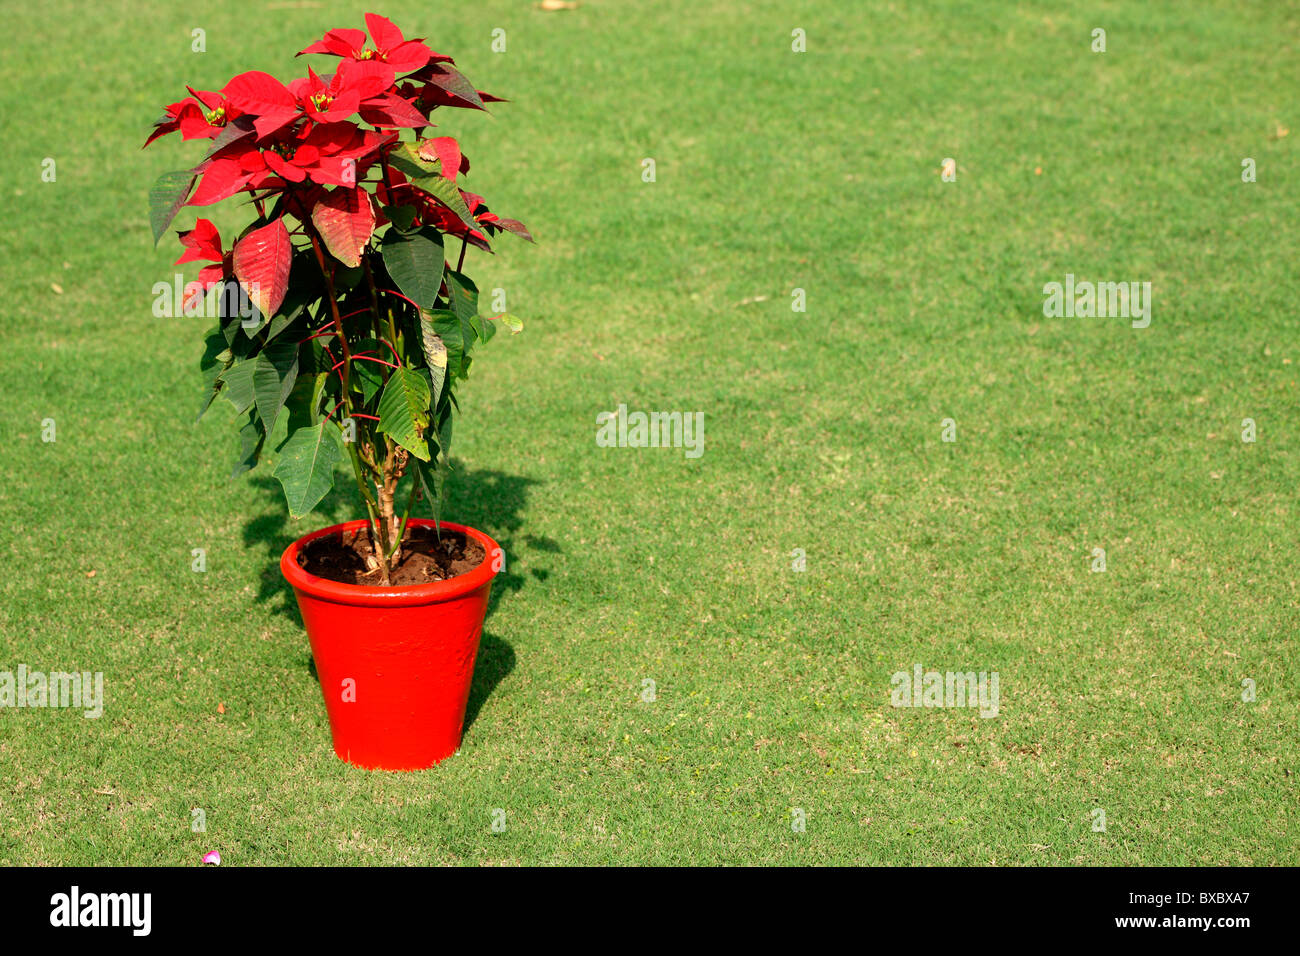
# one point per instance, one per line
(435, 353)
(216, 359)
(434, 390)
(446, 192)
(464, 295)
(371, 377)
(367, 375)
(274, 373)
(483, 328)
(404, 411)
(281, 322)
(347, 278)
(306, 286)
(316, 358)
(444, 439)
(433, 479)
(424, 174)
(167, 197)
(459, 338)
(251, 438)
(433, 475)
(306, 467)
(415, 262)
(448, 326)
(291, 309)
(412, 164)
(402, 217)
(464, 302)
(231, 324)
(238, 385)
(303, 403)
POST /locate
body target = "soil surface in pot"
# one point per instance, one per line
(424, 558)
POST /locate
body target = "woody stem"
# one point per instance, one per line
(378, 529)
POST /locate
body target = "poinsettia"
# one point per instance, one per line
(390, 46)
(203, 243)
(325, 153)
(203, 115)
(362, 327)
(268, 101)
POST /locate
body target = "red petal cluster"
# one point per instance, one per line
(287, 144)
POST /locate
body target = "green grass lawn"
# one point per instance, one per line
(1120, 691)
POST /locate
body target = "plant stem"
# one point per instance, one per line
(374, 299)
(410, 500)
(378, 531)
(394, 465)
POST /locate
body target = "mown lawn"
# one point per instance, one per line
(775, 171)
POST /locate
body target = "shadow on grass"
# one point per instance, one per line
(496, 659)
(491, 501)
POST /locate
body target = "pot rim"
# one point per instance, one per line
(406, 595)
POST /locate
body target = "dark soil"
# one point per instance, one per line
(424, 558)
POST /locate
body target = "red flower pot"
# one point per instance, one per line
(395, 663)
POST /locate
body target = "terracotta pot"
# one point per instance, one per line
(395, 663)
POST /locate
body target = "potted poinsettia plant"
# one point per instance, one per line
(342, 333)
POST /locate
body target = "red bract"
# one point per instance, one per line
(444, 220)
(440, 84)
(264, 98)
(261, 263)
(342, 95)
(398, 191)
(346, 261)
(204, 115)
(391, 46)
(203, 242)
(325, 103)
(328, 153)
(270, 138)
(389, 109)
(363, 86)
(491, 221)
(346, 221)
(447, 151)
